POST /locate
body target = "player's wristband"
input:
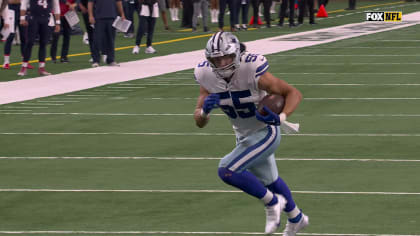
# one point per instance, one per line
(57, 22)
(22, 17)
(282, 116)
(203, 114)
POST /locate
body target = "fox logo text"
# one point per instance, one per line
(384, 16)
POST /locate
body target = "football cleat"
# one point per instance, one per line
(42, 71)
(273, 213)
(6, 66)
(23, 71)
(136, 50)
(293, 228)
(95, 64)
(150, 50)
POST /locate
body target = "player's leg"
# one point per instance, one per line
(66, 39)
(44, 33)
(232, 170)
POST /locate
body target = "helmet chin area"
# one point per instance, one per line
(226, 71)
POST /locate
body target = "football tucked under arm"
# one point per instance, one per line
(276, 104)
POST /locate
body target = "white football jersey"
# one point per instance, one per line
(239, 97)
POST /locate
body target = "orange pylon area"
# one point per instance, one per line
(251, 22)
(322, 12)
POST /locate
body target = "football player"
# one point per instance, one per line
(235, 81)
(37, 22)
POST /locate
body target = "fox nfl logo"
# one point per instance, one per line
(387, 16)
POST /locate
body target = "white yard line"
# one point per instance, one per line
(193, 191)
(28, 112)
(184, 232)
(213, 134)
(366, 160)
(26, 89)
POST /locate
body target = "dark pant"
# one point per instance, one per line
(244, 8)
(283, 8)
(105, 38)
(129, 8)
(66, 29)
(22, 30)
(187, 13)
(302, 6)
(222, 8)
(37, 25)
(94, 50)
(146, 24)
(267, 6)
(352, 4)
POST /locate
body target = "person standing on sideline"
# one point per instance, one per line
(148, 14)
(130, 6)
(352, 5)
(174, 6)
(232, 9)
(235, 81)
(102, 14)
(302, 5)
(65, 6)
(93, 47)
(203, 7)
(15, 6)
(282, 14)
(37, 22)
(243, 5)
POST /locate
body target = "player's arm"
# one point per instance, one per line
(274, 85)
(56, 11)
(23, 8)
(201, 117)
(90, 11)
(120, 9)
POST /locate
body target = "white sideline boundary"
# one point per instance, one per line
(191, 233)
(219, 134)
(206, 158)
(27, 89)
(189, 191)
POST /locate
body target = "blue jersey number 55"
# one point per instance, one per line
(243, 110)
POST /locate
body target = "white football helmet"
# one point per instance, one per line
(222, 44)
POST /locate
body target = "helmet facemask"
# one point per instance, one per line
(222, 44)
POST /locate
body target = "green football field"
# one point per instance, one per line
(127, 158)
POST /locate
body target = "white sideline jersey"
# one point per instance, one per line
(239, 97)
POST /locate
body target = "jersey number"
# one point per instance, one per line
(43, 3)
(243, 110)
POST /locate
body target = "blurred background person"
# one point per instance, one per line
(93, 47)
(130, 6)
(65, 6)
(243, 6)
(214, 10)
(232, 16)
(283, 9)
(148, 14)
(303, 6)
(174, 6)
(37, 22)
(200, 6)
(187, 13)
(162, 9)
(352, 5)
(102, 14)
(13, 5)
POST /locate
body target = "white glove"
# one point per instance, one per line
(288, 127)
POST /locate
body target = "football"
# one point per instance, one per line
(274, 102)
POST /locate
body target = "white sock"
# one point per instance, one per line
(6, 59)
(24, 64)
(176, 13)
(293, 213)
(41, 64)
(267, 197)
